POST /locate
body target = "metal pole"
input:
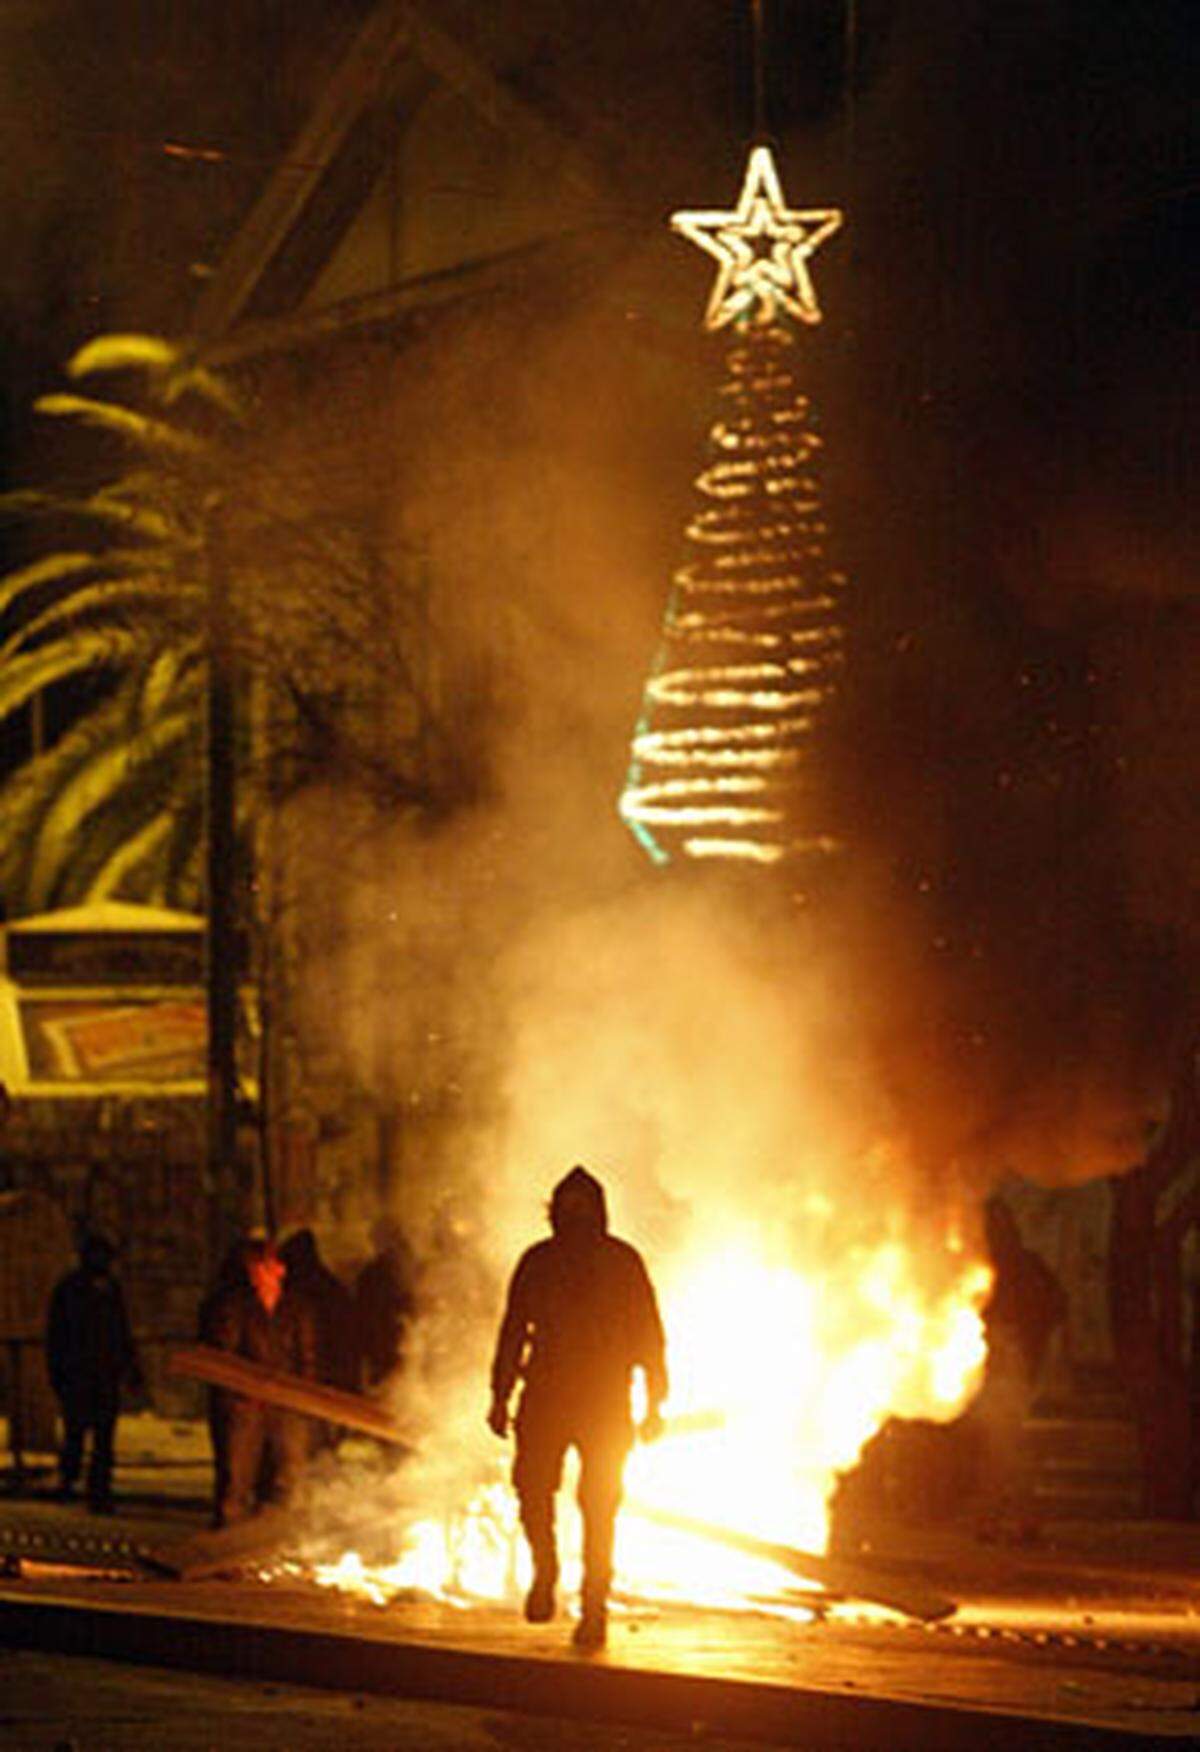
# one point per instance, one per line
(849, 77)
(760, 92)
(221, 986)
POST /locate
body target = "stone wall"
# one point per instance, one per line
(133, 1169)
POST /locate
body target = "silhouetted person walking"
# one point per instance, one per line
(90, 1354)
(265, 1447)
(581, 1316)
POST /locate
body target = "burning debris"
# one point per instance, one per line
(780, 1375)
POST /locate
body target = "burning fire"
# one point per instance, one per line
(779, 1376)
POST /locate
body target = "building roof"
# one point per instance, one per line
(321, 235)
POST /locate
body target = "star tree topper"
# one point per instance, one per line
(763, 247)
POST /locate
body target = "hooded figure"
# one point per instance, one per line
(333, 1307)
(581, 1316)
(385, 1302)
(260, 1450)
(90, 1353)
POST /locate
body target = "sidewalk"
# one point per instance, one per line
(163, 1487)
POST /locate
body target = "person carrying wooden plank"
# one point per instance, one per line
(260, 1450)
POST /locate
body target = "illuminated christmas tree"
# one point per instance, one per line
(722, 759)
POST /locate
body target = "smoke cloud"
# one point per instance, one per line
(993, 978)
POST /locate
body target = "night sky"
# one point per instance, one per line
(1007, 375)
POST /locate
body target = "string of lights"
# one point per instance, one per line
(722, 762)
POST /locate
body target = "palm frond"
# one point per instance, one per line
(198, 381)
(133, 514)
(173, 369)
(28, 675)
(152, 790)
(118, 510)
(124, 352)
(97, 780)
(126, 423)
(28, 792)
(50, 569)
(118, 873)
(144, 601)
(122, 770)
(174, 674)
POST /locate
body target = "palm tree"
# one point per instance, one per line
(210, 589)
(115, 806)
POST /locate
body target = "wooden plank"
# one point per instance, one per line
(220, 1368)
(836, 1575)
(252, 1541)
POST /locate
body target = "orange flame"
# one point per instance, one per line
(779, 1378)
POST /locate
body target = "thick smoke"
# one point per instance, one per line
(1005, 381)
(709, 1043)
(1001, 936)
(990, 980)
(1012, 406)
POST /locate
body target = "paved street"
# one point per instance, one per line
(1118, 1652)
(1095, 1629)
(52, 1703)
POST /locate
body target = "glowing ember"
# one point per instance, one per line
(468, 1556)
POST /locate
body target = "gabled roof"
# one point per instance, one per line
(396, 62)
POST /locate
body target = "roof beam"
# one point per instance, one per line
(471, 279)
(359, 77)
(396, 28)
(459, 69)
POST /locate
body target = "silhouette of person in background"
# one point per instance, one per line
(334, 1314)
(385, 1302)
(1025, 1308)
(231, 1275)
(1154, 1298)
(581, 1316)
(455, 1293)
(90, 1354)
(261, 1320)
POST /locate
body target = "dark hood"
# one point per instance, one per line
(96, 1254)
(579, 1192)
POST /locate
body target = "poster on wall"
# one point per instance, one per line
(90, 1040)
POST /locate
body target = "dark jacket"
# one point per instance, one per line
(337, 1334)
(89, 1346)
(580, 1317)
(235, 1320)
(384, 1306)
(333, 1310)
